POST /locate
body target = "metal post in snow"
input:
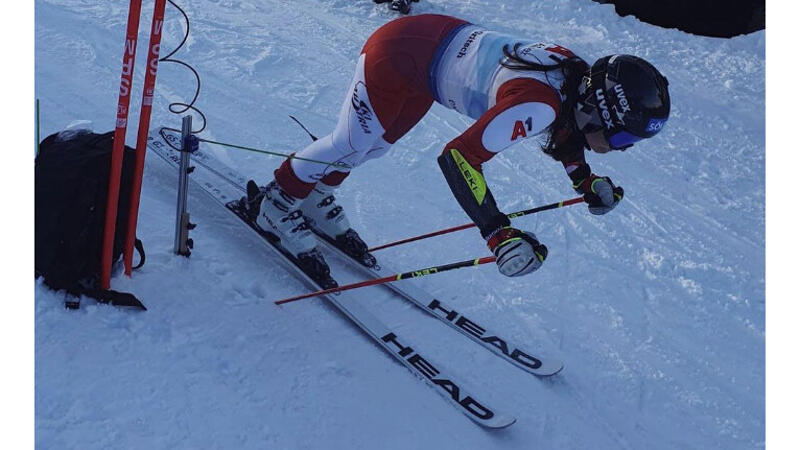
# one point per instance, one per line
(183, 244)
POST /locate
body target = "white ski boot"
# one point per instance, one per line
(278, 213)
(330, 222)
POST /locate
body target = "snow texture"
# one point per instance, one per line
(657, 309)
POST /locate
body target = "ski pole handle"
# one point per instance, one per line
(397, 277)
(525, 212)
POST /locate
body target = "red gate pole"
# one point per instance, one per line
(128, 58)
(144, 128)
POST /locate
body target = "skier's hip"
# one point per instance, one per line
(400, 54)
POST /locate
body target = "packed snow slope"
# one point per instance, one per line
(657, 309)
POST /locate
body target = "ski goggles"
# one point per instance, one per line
(617, 138)
(621, 140)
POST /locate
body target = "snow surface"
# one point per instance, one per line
(657, 309)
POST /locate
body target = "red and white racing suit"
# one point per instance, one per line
(409, 63)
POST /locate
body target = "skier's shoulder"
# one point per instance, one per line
(525, 89)
(532, 70)
(528, 101)
(545, 52)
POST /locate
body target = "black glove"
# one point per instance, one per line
(518, 252)
(599, 193)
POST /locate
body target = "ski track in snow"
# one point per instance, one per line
(657, 309)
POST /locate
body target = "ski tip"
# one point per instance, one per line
(499, 422)
(548, 369)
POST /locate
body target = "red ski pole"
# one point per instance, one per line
(112, 202)
(397, 277)
(471, 225)
(144, 127)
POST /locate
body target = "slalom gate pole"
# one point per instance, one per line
(471, 225)
(397, 277)
(144, 128)
(126, 82)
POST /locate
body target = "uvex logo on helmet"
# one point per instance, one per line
(605, 114)
(620, 107)
(622, 103)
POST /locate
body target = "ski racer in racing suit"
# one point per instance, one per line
(514, 89)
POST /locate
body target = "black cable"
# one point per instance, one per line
(179, 107)
(174, 108)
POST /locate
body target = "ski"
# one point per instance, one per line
(492, 341)
(227, 187)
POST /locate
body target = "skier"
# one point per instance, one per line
(514, 88)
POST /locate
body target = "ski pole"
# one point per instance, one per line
(397, 277)
(471, 225)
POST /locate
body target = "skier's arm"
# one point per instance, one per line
(470, 190)
(577, 171)
(600, 193)
(524, 108)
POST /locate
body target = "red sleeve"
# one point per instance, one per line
(537, 105)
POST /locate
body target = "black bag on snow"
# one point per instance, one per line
(71, 185)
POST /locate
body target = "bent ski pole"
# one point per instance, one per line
(397, 277)
(471, 225)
